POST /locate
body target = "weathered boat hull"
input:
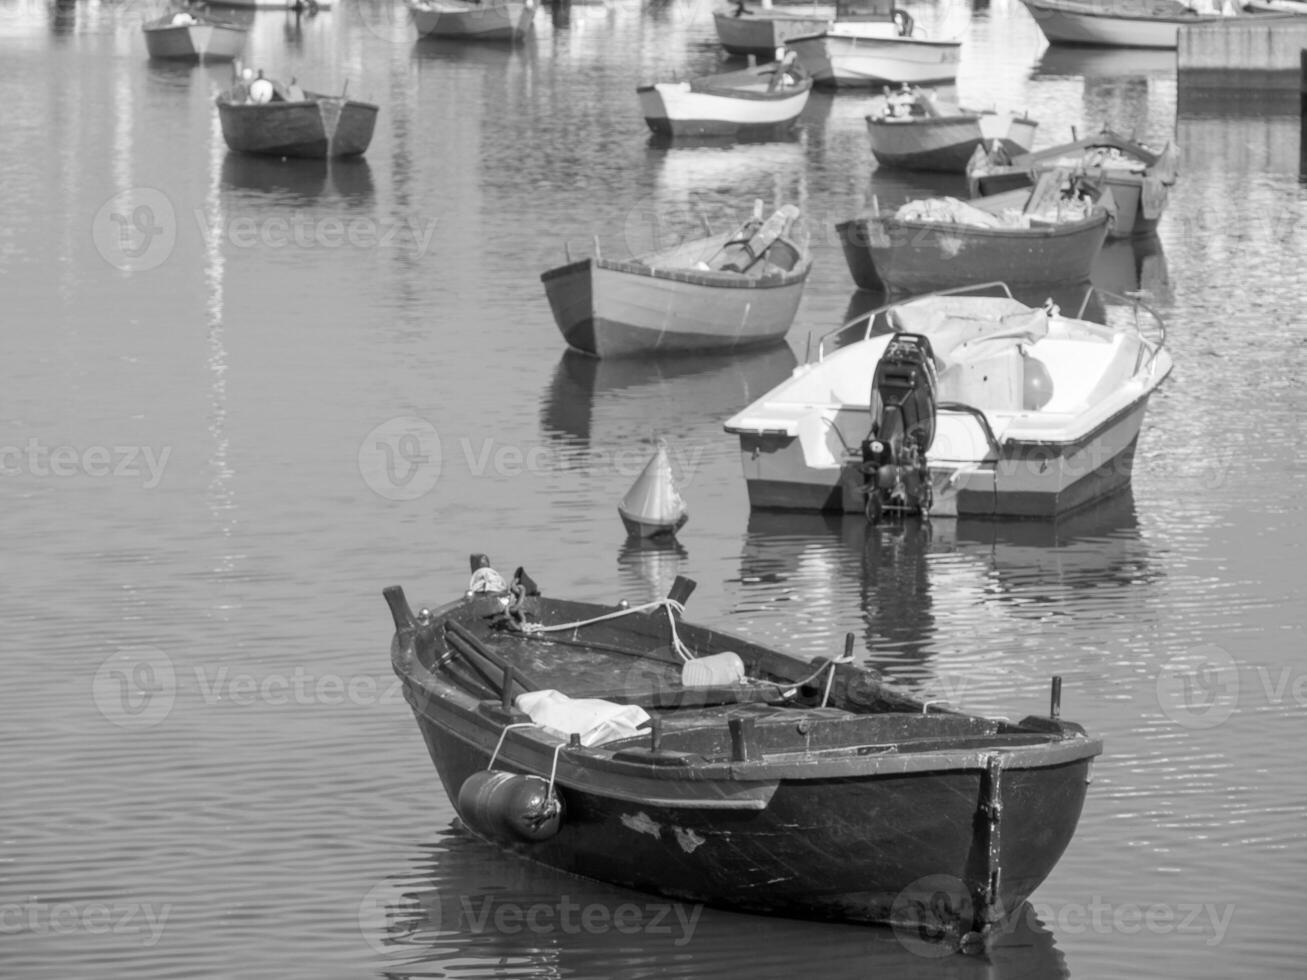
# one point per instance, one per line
(768, 815)
(853, 60)
(194, 42)
(760, 32)
(1081, 23)
(918, 256)
(674, 109)
(495, 21)
(614, 309)
(321, 127)
(853, 847)
(945, 144)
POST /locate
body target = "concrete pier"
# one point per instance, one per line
(1256, 51)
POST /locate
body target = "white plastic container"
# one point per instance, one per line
(716, 670)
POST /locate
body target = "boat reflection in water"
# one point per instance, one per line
(1065, 60)
(302, 179)
(647, 567)
(466, 908)
(912, 588)
(687, 395)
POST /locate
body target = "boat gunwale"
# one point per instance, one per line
(1061, 229)
(1065, 746)
(729, 280)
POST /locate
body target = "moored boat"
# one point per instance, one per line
(727, 291)
(1122, 23)
(1045, 235)
(1138, 177)
(957, 405)
(493, 20)
(262, 116)
(874, 43)
(184, 36)
(913, 130)
(753, 101)
(624, 744)
(760, 30)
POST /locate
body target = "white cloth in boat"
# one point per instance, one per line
(486, 579)
(595, 720)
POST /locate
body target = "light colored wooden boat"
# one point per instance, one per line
(493, 20)
(874, 43)
(184, 36)
(653, 507)
(1121, 23)
(1139, 178)
(286, 121)
(728, 291)
(750, 102)
(760, 29)
(915, 131)
(977, 406)
(1020, 237)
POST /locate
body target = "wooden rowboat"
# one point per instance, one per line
(184, 36)
(623, 744)
(493, 20)
(915, 131)
(874, 42)
(1122, 23)
(1019, 237)
(295, 123)
(756, 101)
(760, 30)
(1139, 178)
(729, 291)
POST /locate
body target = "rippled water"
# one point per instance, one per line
(207, 766)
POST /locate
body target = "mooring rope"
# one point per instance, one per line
(671, 605)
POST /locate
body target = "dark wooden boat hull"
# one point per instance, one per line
(319, 128)
(201, 41)
(860, 836)
(918, 256)
(853, 849)
(615, 309)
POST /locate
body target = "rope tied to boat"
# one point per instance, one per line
(670, 605)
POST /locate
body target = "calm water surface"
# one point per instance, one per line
(241, 396)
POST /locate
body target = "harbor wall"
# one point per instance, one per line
(1261, 51)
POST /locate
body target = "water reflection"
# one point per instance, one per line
(298, 180)
(465, 904)
(647, 567)
(682, 394)
(1061, 60)
(1132, 265)
(918, 583)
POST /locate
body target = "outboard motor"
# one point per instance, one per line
(902, 429)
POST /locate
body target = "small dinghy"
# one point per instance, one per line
(184, 36)
(261, 115)
(653, 506)
(914, 130)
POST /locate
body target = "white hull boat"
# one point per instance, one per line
(957, 405)
(867, 53)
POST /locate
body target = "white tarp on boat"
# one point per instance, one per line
(595, 720)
